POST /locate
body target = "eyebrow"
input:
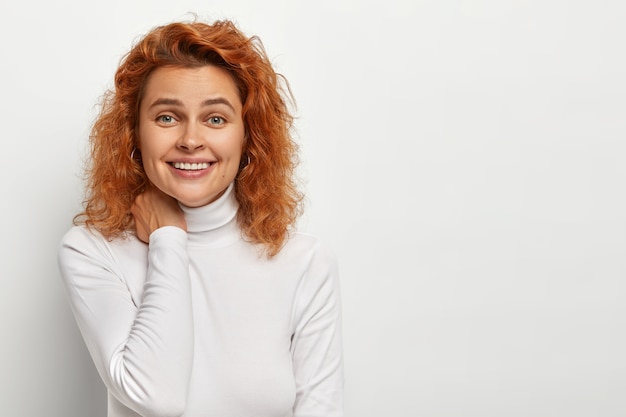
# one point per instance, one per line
(178, 103)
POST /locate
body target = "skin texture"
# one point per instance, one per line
(187, 115)
(153, 209)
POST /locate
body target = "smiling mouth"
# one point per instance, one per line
(187, 166)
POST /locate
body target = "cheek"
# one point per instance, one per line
(148, 168)
(149, 156)
(142, 135)
(231, 146)
(149, 143)
(241, 142)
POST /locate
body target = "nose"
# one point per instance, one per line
(190, 140)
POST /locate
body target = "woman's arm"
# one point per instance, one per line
(143, 349)
(317, 346)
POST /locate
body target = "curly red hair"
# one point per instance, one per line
(269, 200)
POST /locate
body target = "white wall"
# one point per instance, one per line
(465, 159)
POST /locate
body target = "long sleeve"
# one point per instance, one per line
(142, 346)
(316, 345)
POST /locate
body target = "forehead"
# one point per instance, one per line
(191, 85)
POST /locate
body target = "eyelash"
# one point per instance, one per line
(212, 120)
(220, 122)
(160, 118)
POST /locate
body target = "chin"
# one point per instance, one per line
(197, 201)
(194, 203)
(196, 196)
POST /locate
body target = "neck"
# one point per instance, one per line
(214, 221)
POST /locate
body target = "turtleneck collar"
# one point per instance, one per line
(206, 224)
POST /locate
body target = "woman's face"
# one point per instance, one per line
(191, 132)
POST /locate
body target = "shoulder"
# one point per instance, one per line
(86, 259)
(84, 239)
(318, 289)
(80, 233)
(80, 239)
(316, 259)
(309, 246)
(81, 244)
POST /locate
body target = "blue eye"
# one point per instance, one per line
(166, 119)
(216, 120)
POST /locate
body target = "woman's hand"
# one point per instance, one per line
(153, 209)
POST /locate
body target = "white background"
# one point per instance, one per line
(464, 159)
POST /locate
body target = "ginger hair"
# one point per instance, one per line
(265, 187)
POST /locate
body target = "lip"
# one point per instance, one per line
(191, 174)
(192, 160)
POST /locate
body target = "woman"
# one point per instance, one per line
(192, 292)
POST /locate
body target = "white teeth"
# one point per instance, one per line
(191, 166)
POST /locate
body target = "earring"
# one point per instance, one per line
(132, 155)
(243, 164)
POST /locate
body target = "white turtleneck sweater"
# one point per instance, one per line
(201, 324)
